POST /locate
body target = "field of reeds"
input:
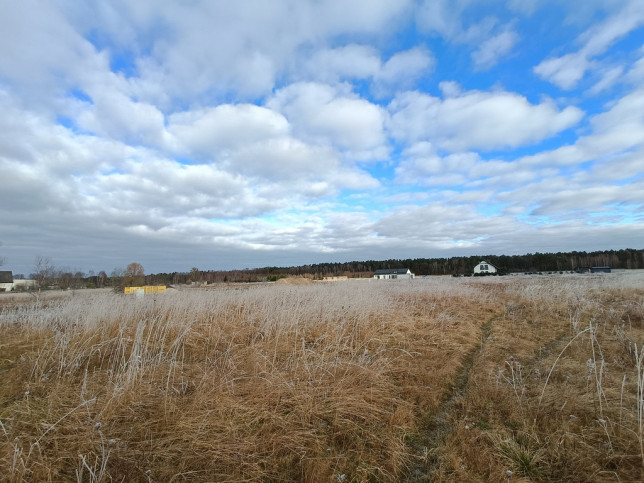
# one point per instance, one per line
(527, 378)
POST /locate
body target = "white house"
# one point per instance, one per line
(393, 273)
(485, 267)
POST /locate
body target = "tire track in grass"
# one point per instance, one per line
(436, 426)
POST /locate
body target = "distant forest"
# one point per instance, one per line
(531, 262)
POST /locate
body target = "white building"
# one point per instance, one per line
(485, 267)
(393, 274)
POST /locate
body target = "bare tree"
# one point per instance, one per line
(116, 279)
(101, 279)
(133, 276)
(65, 280)
(44, 272)
(195, 275)
(78, 280)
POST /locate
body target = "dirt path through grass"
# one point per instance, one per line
(438, 424)
(549, 394)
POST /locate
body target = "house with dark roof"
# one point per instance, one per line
(393, 274)
(6, 281)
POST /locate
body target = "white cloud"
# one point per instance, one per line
(160, 190)
(594, 198)
(636, 73)
(403, 69)
(347, 62)
(445, 17)
(625, 116)
(598, 38)
(399, 72)
(492, 49)
(566, 71)
(61, 178)
(116, 116)
(205, 47)
(208, 132)
(321, 114)
(617, 130)
(442, 17)
(39, 48)
(477, 120)
(282, 159)
(421, 165)
(609, 77)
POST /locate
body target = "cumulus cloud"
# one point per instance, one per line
(421, 164)
(115, 115)
(401, 71)
(54, 173)
(477, 120)
(209, 132)
(201, 47)
(321, 114)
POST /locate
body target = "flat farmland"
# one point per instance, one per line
(519, 378)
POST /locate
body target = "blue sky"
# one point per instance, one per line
(240, 134)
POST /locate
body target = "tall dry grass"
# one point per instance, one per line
(492, 379)
(555, 393)
(265, 383)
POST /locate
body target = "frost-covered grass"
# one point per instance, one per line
(255, 383)
(556, 392)
(325, 381)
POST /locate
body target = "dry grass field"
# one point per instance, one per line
(528, 378)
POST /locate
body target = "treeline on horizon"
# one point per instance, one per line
(532, 262)
(48, 276)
